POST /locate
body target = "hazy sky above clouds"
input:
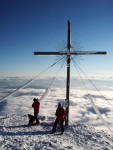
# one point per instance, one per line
(38, 25)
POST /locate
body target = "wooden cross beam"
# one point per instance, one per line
(68, 53)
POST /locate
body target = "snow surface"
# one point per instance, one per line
(85, 131)
(15, 134)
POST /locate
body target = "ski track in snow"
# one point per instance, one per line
(15, 134)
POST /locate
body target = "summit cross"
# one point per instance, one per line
(68, 54)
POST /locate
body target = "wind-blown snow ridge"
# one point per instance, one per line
(16, 134)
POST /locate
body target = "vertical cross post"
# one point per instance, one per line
(68, 76)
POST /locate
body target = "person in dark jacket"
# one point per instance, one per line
(60, 113)
(36, 106)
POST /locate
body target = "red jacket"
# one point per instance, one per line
(36, 106)
(60, 112)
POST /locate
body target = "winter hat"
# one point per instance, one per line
(34, 99)
(59, 105)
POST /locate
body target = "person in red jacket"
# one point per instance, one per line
(36, 106)
(60, 113)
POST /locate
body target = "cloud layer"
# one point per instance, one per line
(80, 110)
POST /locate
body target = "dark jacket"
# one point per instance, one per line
(60, 112)
(36, 106)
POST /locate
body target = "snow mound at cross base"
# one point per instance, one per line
(15, 134)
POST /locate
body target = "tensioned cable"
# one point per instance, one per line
(93, 84)
(61, 57)
(27, 83)
(47, 90)
(95, 108)
(57, 72)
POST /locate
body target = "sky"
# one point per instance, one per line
(41, 25)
